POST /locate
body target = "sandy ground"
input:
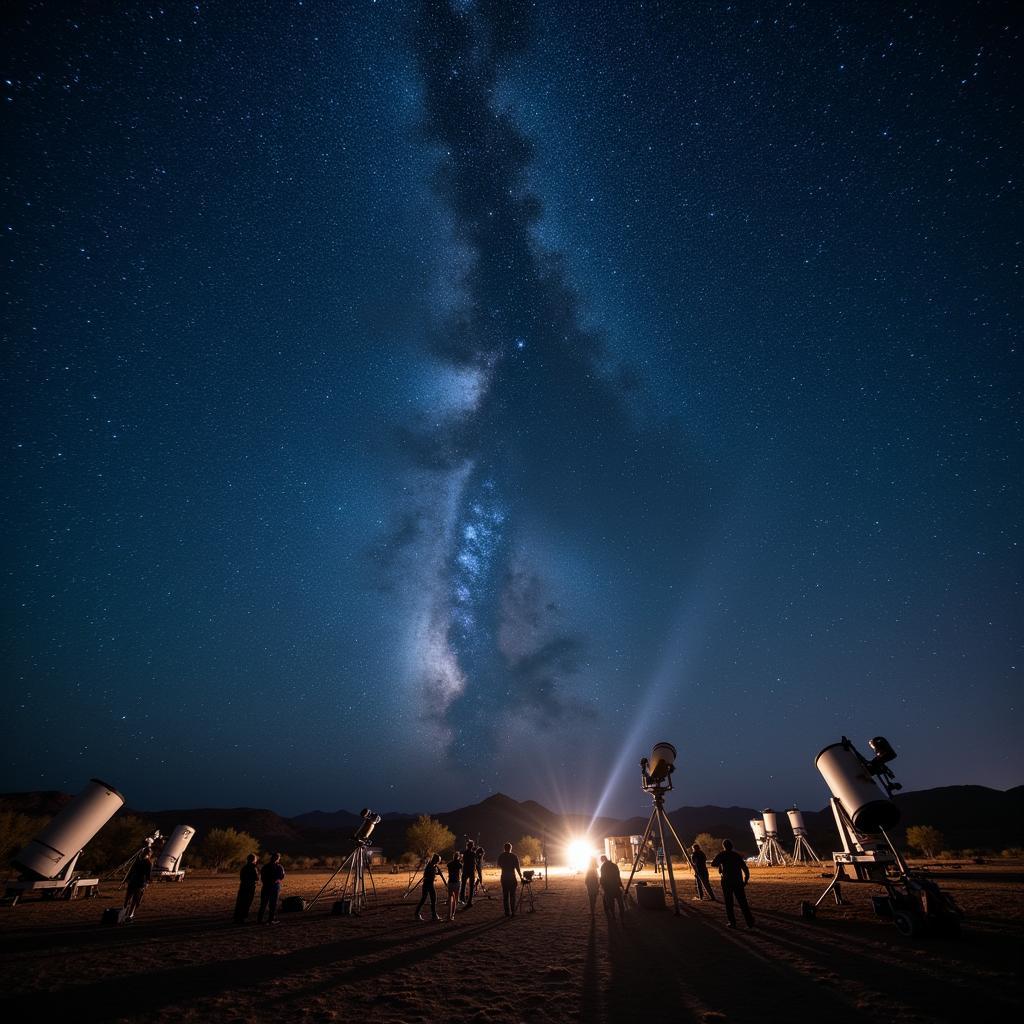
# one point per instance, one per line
(184, 960)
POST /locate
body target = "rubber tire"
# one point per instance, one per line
(907, 925)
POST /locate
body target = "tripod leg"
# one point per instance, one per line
(327, 884)
(659, 810)
(682, 849)
(640, 851)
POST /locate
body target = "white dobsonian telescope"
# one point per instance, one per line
(803, 852)
(863, 809)
(168, 861)
(47, 864)
(757, 827)
(771, 853)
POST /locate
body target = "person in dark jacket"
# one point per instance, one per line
(430, 872)
(701, 879)
(454, 873)
(139, 876)
(735, 875)
(468, 873)
(508, 863)
(272, 875)
(480, 866)
(593, 882)
(611, 889)
(247, 879)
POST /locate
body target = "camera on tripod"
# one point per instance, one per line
(528, 876)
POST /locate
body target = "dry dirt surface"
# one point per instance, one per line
(184, 960)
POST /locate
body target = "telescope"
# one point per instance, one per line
(661, 764)
(365, 829)
(168, 862)
(47, 864)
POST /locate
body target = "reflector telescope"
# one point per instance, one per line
(662, 762)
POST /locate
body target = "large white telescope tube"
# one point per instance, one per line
(170, 855)
(855, 788)
(663, 759)
(796, 822)
(48, 854)
(760, 834)
(771, 822)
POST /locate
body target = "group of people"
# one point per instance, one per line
(272, 877)
(732, 869)
(465, 875)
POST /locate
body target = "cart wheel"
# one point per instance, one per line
(808, 911)
(906, 924)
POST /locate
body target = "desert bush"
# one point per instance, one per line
(708, 843)
(529, 849)
(1012, 853)
(409, 859)
(427, 836)
(122, 836)
(16, 831)
(331, 862)
(226, 848)
(925, 838)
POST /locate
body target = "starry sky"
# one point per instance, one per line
(411, 401)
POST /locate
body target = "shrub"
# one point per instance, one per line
(227, 848)
(530, 850)
(925, 838)
(16, 832)
(427, 836)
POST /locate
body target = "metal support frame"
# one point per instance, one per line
(354, 887)
(657, 790)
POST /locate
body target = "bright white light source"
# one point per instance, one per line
(579, 853)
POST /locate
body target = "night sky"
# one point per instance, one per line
(411, 401)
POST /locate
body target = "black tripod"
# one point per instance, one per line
(526, 894)
(658, 788)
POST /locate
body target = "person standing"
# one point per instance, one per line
(430, 872)
(454, 872)
(611, 888)
(480, 866)
(508, 863)
(247, 879)
(734, 874)
(139, 876)
(593, 882)
(700, 873)
(468, 874)
(272, 875)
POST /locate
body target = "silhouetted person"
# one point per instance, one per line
(272, 876)
(139, 876)
(735, 875)
(611, 889)
(454, 873)
(247, 879)
(430, 872)
(508, 863)
(468, 873)
(700, 873)
(593, 882)
(479, 865)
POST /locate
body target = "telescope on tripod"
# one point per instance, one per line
(352, 897)
(656, 779)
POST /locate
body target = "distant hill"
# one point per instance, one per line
(967, 816)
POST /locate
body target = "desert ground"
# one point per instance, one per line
(184, 960)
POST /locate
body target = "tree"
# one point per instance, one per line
(227, 848)
(427, 836)
(925, 838)
(530, 850)
(122, 836)
(708, 843)
(16, 832)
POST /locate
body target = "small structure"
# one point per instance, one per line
(622, 849)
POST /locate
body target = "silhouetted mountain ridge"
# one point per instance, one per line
(967, 816)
